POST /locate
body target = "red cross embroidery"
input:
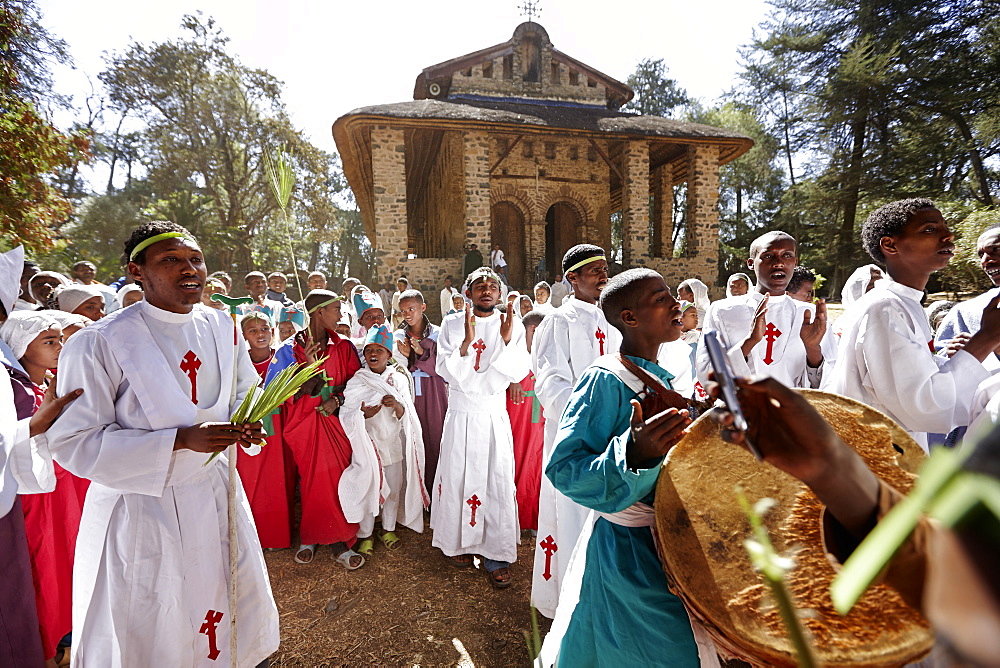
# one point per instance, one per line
(549, 547)
(600, 336)
(479, 346)
(190, 365)
(474, 503)
(212, 620)
(770, 333)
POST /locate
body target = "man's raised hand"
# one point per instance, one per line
(812, 332)
(470, 330)
(507, 324)
(757, 328)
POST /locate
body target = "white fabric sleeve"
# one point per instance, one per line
(30, 461)
(903, 375)
(88, 441)
(550, 360)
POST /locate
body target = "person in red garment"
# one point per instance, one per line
(313, 431)
(528, 427)
(269, 477)
(51, 520)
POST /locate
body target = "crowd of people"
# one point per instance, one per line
(513, 418)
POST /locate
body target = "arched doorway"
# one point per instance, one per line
(561, 233)
(508, 230)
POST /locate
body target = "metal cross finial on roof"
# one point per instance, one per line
(530, 8)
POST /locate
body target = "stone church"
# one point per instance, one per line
(522, 145)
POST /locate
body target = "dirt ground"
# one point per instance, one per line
(403, 608)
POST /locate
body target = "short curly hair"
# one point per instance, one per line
(800, 275)
(888, 221)
(622, 292)
(145, 231)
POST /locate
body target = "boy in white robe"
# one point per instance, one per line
(565, 344)
(886, 356)
(386, 471)
(480, 353)
(768, 332)
(160, 380)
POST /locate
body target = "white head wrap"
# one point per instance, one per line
(49, 274)
(700, 291)
(734, 277)
(69, 319)
(11, 266)
(69, 297)
(125, 289)
(23, 327)
(854, 286)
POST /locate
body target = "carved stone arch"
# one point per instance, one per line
(566, 194)
(516, 196)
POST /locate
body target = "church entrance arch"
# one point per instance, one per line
(508, 230)
(562, 225)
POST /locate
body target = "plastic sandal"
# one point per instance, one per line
(309, 551)
(390, 540)
(365, 547)
(500, 578)
(345, 559)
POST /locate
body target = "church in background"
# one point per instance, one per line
(522, 145)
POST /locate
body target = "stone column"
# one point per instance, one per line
(389, 178)
(702, 234)
(477, 190)
(663, 212)
(635, 204)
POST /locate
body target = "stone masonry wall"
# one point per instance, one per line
(635, 204)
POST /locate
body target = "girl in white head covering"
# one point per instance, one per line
(129, 294)
(738, 277)
(71, 323)
(86, 300)
(699, 296)
(20, 331)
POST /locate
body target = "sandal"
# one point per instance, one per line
(345, 559)
(390, 540)
(500, 578)
(305, 554)
(366, 546)
(461, 560)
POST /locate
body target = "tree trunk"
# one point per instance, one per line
(851, 193)
(974, 155)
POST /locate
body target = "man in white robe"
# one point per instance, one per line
(886, 357)
(152, 567)
(565, 344)
(447, 296)
(480, 353)
(768, 332)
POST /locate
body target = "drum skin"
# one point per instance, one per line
(701, 528)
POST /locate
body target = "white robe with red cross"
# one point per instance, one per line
(473, 502)
(150, 586)
(780, 354)
(566, 342)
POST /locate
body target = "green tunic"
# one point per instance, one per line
(626, 614)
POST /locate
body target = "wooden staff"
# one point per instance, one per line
(233, 303)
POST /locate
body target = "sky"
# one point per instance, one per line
(335, 56)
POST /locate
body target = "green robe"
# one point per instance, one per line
(626, 615)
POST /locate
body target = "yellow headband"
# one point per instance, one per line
(326, 303)
(583, 262)
(143, 245)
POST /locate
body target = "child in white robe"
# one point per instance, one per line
(886, 356)
(386, 472)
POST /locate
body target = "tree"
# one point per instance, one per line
(32, 148)
(876, 100)
(209, 122)
(655, 94)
